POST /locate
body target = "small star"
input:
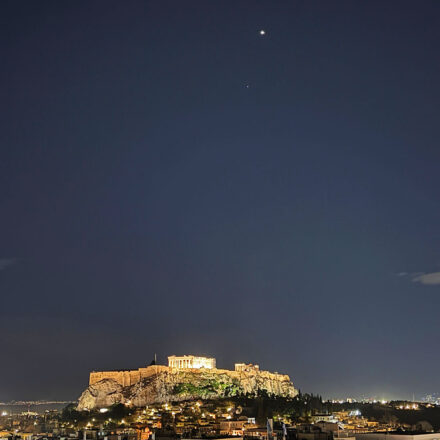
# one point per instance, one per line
(246, 86)
(262, 32)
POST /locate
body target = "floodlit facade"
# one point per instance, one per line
(246, 367)
(189, 361)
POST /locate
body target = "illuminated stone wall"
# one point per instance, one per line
(247, 367)
(126, 377)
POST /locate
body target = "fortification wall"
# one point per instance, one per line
(130, 377)
(126, 377)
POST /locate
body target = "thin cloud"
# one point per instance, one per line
(431, 279)
(5, 262)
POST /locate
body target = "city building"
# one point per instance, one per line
(312, 432)
(398, 436)
(257, 432)
(323, 418)
(232, 427)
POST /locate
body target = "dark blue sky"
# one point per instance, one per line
(174, 182)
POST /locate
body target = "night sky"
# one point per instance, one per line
(173, 182)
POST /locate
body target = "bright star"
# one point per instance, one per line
(262, 32)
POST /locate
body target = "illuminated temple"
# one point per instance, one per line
(190, 361)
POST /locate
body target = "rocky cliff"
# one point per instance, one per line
(173, 385)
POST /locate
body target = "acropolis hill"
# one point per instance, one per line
(185, 378)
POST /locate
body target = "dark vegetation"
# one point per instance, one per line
(207, 388)
(116, 412)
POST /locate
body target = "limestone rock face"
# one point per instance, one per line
(105, 393)
(174, 385)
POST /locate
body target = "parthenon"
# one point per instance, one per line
(189, 361)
